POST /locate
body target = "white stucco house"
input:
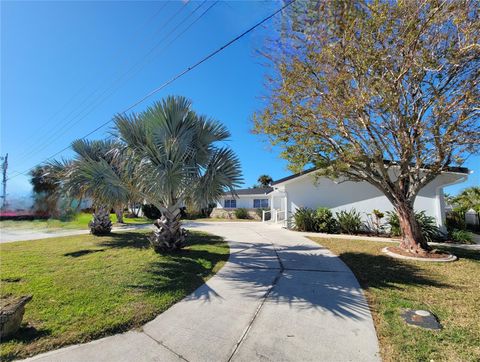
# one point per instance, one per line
(305, 189)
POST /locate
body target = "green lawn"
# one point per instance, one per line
(450, 290)
(79, 222)
(85, 287)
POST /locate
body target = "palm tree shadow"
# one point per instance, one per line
(127, 239)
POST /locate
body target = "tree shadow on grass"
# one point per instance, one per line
(140, 241)
(461, 253)
(79, 253)
(181, 272)
(127, 239)
(384, 272)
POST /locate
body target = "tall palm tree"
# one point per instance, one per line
(265, 180)
(97, 172)
(177, 158)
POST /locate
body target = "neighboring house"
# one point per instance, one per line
(254, 198)
(305, 189)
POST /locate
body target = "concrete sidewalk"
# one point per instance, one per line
(9, 235)
(280, 297)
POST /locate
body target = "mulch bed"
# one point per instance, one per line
(434, 254)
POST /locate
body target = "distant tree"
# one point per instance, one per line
(468, 199)
(265, 180)
(46, 188)
(355, 83)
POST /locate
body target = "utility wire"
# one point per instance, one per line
(132, 37)
(90, 108)
(168, 82)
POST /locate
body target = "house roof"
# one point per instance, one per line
(464, 170)
(252, 191)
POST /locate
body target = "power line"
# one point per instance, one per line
(170, 81)
(133, 36)
(80, 115)
(112, 88)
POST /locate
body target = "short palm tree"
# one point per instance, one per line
(177, 158)
(97, 172)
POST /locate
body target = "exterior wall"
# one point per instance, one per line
(306, 191)
(243, 201)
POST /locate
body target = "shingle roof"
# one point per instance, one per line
(252, 191)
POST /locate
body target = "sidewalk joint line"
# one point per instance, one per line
(166, 347)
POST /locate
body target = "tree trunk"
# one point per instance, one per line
(119, 215)
(100, 224)
(169, 234)
(412, 237)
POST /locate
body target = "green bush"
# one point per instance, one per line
(461, 236)
(427, 224)
(455, 220)
(241, 213)
(305, 219)
(326, 223)
(349, 222)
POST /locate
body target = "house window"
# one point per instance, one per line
(260, 203)
(230, 204)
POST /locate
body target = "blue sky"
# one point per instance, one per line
(67, 67)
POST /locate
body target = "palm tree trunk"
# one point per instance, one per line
(100, 224)
(119, 214)
(169, 234)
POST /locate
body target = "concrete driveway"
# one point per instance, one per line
(280, 297)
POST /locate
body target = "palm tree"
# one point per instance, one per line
(177, 159)
(468, 199)
(265, 180)
(97, 172)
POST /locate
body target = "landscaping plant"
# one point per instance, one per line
(461, 236)
(326, 223)
(349, 222)
(305, 219)
(241, 213)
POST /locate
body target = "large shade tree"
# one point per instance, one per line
(177, 158)
(355, 83)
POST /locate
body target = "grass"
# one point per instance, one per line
(80, 221)
(450, 290)
(85, 287)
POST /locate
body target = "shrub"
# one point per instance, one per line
(461, 236)
(455, 220)
(349, 222)
(427, 224)
(241, 213)
(305, 219)
(326, 223)
(151, 211)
